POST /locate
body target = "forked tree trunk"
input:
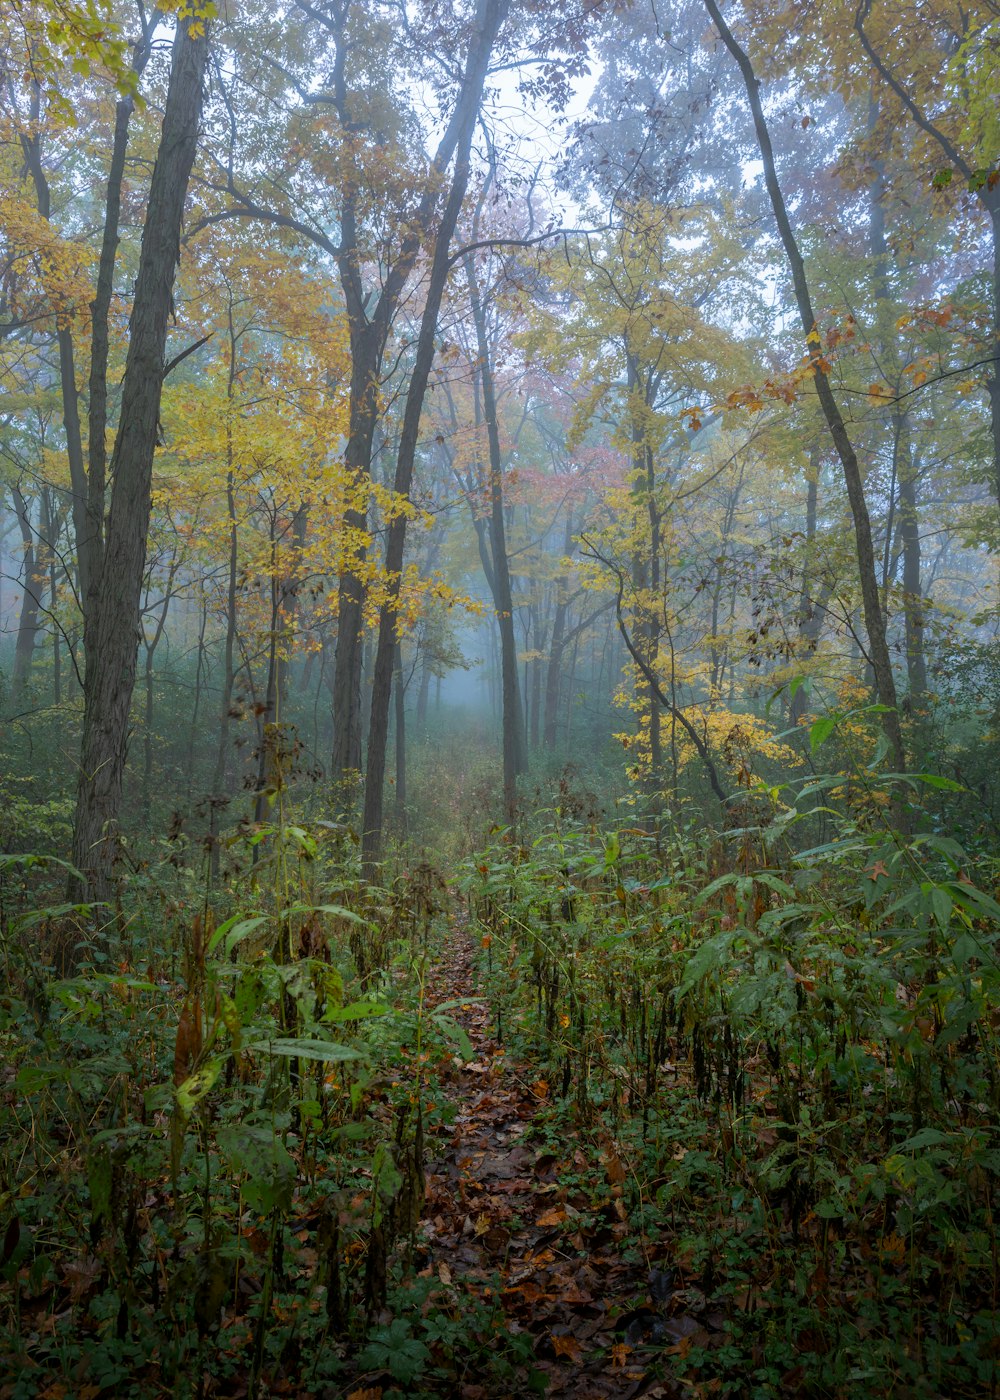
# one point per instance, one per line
(489, 16)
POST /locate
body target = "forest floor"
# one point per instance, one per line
(544, 1136)
(512, 1196)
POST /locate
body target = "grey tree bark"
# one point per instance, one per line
(904, 465)
(515, 759)
(111, 631)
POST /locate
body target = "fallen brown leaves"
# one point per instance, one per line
(498, 1206)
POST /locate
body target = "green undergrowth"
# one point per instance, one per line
(789, 1059)
(770, 1058)
(212, 1136)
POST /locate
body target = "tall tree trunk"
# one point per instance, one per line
(424, 690)
(284, 605)
(219, 784)
(811, 605)
(90, 521)
(88, 486)
(53, 602)
(290, 604)
(489, 16)
(878, 648)
(719, 652)
(111, 631)
(913, 603)
(554, 668)
(574, 658)
(646, 564)
(33, 575)
(199, 679)
(31, 146)
(399, 697)
(538, 643)
(366, 363)
(368, 337)
(150, 644)
(993, 378)
(512, 715)
(904, 466)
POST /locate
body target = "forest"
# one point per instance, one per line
(499, 699)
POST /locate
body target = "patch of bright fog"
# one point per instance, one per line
(528, 141)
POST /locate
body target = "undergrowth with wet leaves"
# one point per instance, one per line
(629, 1116)
(787, 1066)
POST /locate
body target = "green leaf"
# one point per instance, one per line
(944, 845)
(231, 1019)
(772, 882)
(979, 179)
(705, 959)
(196, 1086)
(301, 838)
(716, 885)
(793, 687)
(32, 1078)
(881, 749)
(941, 903)
(976, 901)
(234, 930)
(337, 910)
(29, 861)
(456, 1034)
(935, 780)
(924, 1138)
(820, 731)
(392, 1348)
(457, 1003)
(356, 1011)
(304, 1048)
(964, 949)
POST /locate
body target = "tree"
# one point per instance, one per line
(874, 619)
(514, 742)
(489, 17)
(956, 113)
(364, 151)
(649, 363)
(111, 627)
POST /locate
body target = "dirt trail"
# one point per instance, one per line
(501, 1206)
